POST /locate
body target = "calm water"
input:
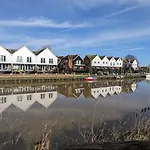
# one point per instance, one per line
(28, 112)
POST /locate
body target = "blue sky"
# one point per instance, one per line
(104, 27)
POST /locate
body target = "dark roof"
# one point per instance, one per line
(110, 57)
(39, 51)
(60, 58)
(11, 50)
(101, 57)
(116, 58)
(70, 56)
(91, 57)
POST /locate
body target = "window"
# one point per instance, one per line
(3, 100)
(78, 61)
(19, 98)
(29, 59)
(103, 62)
(29, 97)
(98, 62)
(42, 96)
(19, 59)
(42, 60)
(111, 63)
(50, 95)
(2, 58)
(95, 62)
(50, 60)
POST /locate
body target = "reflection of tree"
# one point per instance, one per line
(11, 141)
(133, 126)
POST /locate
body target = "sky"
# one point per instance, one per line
(104, 27)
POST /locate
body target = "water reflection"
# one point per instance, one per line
(72, 105)
(23, 97)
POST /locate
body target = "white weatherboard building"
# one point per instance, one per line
(134, 64)
(97, 61)
(25, 60)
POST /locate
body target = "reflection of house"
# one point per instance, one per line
(133, 87)
(71, 90)
(77, 92)
(104, 91)
(96, 90)
(129, 88)
(25, 101)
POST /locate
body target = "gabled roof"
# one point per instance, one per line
(72, 56)
(39, 51)
(11, 50)
(101, 57)
(91, 57)
(110, 57)
(60, 58)
(129, 61)
(116, 58)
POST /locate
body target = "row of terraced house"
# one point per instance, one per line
(45, 60)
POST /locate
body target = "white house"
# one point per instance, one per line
(5, 59)
(134, 64)
(96, 61)
(46, 60)
(105, 61)
(119, 62)
(23, 59)
(112, 62)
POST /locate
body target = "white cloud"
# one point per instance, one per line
(106, 37)
(65, 42)
(121, 12)
(41, 22)
(17, 40)
(89, 4)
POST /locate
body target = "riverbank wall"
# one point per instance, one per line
(21, 79)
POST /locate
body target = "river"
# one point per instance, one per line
(62, 112)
